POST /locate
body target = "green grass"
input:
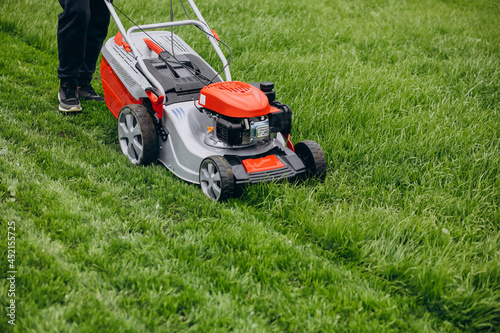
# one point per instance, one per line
(404, 97)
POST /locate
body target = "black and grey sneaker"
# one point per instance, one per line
(68, 98)
(86, 92)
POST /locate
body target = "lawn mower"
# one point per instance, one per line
(173, 107)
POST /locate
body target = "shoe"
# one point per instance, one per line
(68, 98)
(86, 92)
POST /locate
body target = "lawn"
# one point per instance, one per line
(403, 235)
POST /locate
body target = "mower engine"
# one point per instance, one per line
(244, 114)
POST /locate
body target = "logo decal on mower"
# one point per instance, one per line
(203, 99)
(179, 113)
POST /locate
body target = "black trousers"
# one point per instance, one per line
(82, 28)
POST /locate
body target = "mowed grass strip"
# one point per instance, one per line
(404, 99)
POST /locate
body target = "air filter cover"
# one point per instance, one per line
(234, 99)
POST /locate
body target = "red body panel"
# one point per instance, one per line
(115, 93)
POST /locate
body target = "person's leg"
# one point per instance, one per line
(71, 37)
(97, 31)
(71, 42)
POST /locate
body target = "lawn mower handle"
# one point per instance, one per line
(199, 23)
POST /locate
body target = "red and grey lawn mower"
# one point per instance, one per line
(172, 106)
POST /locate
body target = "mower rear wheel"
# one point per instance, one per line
(313, 158)
(216, 178)
(137, 134)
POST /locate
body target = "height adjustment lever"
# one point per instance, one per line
(156, 100)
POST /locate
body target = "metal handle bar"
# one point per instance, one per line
(201, 24)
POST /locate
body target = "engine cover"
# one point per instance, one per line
(235, 99)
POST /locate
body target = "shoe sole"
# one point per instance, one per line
(68, 109)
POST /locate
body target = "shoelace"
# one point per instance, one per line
(88, 89)
(69, 90)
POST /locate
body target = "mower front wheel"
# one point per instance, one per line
(313, 158)
(216, 178)
(137, 134)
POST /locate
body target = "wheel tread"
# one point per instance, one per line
(318, 166)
